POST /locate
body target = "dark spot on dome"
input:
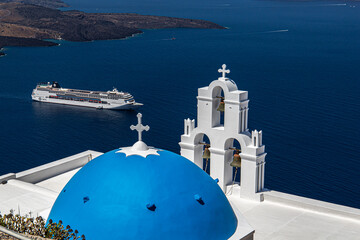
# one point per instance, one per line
(64, 190)
(86, 199)
(151, 207)
(198, 198)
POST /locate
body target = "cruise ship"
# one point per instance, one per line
(53, 93)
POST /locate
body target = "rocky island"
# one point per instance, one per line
(28, 25)
(44, 3)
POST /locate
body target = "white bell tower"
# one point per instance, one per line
(222, 131)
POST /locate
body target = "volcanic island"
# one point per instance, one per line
(24, 24)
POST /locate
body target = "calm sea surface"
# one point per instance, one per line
(299, 61)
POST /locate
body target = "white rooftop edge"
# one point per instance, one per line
(279, 216)
(34, 191)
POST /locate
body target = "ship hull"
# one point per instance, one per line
(125, 106)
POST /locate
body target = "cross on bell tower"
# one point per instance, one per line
(224, 71)
(139, 127)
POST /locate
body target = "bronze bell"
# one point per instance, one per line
(206, 154)
(236, 160)
(221, 107)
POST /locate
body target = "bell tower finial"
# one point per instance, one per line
(224, 71)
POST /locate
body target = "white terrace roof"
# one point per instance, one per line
(288, 217)
(279, 217)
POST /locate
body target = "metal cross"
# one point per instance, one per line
(139, 127)
(224, 71)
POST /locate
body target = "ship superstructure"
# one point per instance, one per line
(114, 99)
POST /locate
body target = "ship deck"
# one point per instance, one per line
(78, 91)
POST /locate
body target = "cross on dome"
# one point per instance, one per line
(139, 148)
(139, 127)
(224, 71)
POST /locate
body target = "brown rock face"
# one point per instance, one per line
(43, 3)
(22, 21)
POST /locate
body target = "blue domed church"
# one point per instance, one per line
(213, 190)
(140, 192)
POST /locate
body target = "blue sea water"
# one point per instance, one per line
(298, 60)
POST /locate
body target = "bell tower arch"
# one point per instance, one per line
(222, 135)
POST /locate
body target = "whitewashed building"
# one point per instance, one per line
(223, 118)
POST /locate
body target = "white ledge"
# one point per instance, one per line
(312, 205)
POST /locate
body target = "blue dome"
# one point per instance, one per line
(157, 197)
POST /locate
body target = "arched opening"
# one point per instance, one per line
(218, 111)
(233, 149)
(202, 155)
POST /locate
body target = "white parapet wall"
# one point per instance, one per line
(6, 177)
(34, 191)
(52, 169)
(312, 205)
(307, 204)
